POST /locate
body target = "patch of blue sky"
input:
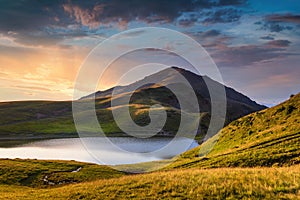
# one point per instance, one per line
(276, 6)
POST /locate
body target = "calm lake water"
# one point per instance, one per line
(116, 150)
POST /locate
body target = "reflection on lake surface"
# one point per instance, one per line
(116, 150)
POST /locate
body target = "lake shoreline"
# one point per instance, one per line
(99, 150)
(7, 142)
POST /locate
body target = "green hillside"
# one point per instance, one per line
(25, 121)
(270, 137)
(255, 183)
(43, 174)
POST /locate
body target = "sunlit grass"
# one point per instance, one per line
(269, 137)
(224, 183)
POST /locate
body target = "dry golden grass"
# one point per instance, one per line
(223, 183)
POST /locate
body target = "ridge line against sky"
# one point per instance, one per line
(255, 44)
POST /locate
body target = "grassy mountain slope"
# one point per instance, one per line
(154, 89)
(43, 119)
(265, 138)
(35, 119)
(255, 183)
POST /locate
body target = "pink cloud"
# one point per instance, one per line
(86, 17)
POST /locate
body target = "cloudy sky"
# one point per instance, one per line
(255, 43)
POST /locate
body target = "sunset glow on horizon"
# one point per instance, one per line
(255, 44)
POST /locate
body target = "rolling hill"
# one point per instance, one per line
(270, 137)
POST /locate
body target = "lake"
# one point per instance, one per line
(99, 150)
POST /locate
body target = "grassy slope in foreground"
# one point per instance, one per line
(265, 138)
(255, 183)
(41, 174)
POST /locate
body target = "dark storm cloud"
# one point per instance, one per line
(225, 15)
(49, 22)
(25, 21)
(278, 22)
(273, 26)
(189, 21)
(94, 13)
(26, 15)
(267, 37)
(31, 20)
(284, 18)
(241, 56)
(31, 14)
(211, 33)
(231, 2)
(279, 43)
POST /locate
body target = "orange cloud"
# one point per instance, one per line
(85, 16)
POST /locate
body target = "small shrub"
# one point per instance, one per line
(290, 109)
(282, 108)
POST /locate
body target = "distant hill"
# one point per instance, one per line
(51, 119)
(269, 137)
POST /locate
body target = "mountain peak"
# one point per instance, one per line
(178, 69)
(237, 104)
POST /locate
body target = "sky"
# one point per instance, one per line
(254, 43)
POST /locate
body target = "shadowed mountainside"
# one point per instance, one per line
(238, 104)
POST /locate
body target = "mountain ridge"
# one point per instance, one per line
(238, 104)
(166, 73)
